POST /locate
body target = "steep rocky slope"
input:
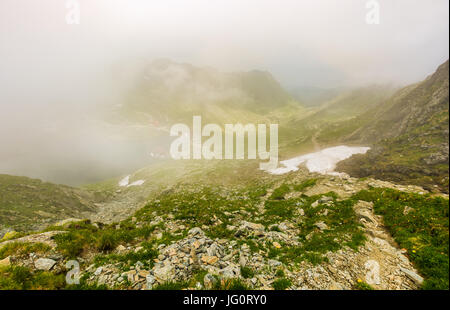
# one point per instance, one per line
(409, 134)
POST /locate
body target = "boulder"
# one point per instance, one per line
(163, 274)
(44, 264)
(209, 280)
(321, 225)
(412, 275)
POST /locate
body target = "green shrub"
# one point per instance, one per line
(23, 248)
(280, 192)
(279, 273)
(231, 285)
(171, 286)
(308, 183)
(107, 241)
(363, 286)
(247, 272)
(22, 278)
(281, 284)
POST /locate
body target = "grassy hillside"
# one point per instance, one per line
(169, 92)
(225, 225)
(409, 134)
(27, 204)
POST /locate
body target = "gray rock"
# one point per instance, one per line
(149, 281)
(274, 263)
(98, 271)
(321, 225)
(196, 231)
(283, 227)
(363, 210)
(325, 199)
(102, 279)
(163, 274)
(242, 259)
(412, 275)
(44, 264)
(212, 250)
(231, 271)
(209, 280)
(252, 226)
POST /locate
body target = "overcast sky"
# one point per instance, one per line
(318, 43)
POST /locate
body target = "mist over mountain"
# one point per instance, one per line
(410, 132)
(168, 91)
(70, 144)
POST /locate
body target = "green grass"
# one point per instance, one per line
(145, 256)
(281, 284)
(22, 278)
(280, 192)
(279, 273)
(424, 231)
(23, 248)
(167, 286)
(83, 236)
(343, 228)
(304, 185)
(247, 272)
(363, 286)
(231, 285)
(27, 204)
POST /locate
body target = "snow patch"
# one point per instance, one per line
(137, 183)
(124, 182)
(323, 162)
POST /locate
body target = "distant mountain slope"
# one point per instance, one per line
(168, 91)
(315, 96)
(353, 103)
(325, 125)
(30, 203)
(409, 134)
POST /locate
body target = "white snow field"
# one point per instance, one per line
(125, 182)
(323, 162)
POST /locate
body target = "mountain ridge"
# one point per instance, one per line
(409, 134)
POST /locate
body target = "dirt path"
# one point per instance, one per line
(314, 139)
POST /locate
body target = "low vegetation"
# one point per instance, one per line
(420, 224)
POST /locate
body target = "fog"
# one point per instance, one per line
(58, 79)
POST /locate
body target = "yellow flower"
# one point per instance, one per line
(359, 280)
(414, 251)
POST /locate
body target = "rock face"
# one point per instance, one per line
(44, 264)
